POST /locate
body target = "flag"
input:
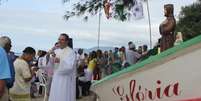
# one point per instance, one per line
(137, 10)
(107, 5)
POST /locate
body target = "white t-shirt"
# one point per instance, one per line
(42, 62)
(87, 76)
(80, 59)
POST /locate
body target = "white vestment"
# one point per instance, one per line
(63, 86)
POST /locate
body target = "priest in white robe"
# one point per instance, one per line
(63, 86)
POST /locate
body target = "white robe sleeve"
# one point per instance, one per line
(67, 65)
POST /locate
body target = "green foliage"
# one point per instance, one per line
(87, 8)
(190, 20)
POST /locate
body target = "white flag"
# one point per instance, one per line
(137, 10)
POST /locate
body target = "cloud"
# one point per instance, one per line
(39, 23)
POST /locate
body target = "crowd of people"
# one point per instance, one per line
(98, 64)
(59, 66)
(19, 75)
(65, 73)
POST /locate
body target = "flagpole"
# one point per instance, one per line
(149, 18)
(99, 22)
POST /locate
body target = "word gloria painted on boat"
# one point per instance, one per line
(139, 93)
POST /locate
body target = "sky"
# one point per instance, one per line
(38, 23)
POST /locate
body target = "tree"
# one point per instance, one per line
(2, 1)
(190, 21)
(121, 8)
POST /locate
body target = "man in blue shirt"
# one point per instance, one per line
(4, 74)
(5, 42)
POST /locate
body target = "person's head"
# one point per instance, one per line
(140, 49)
(80, 51)
(28, 54)
(169, 10)
(131, 46)
(43, 53)
(123, 49)
(5, 42)
(106, 53)
(116, 49)
(85, 55)
(145, 48)
(39, 53)
(99, 53)
(130, 42)
(93, 55)
(63, 40)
